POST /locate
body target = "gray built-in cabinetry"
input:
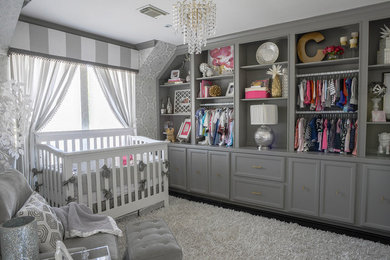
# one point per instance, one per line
(340, 189)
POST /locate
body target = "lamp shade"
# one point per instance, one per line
(264, 114)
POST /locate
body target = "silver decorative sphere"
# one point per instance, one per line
(264, 137)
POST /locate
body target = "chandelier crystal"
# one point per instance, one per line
(196, 21)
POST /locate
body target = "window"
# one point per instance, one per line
(84, 107)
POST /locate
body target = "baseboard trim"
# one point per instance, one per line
(286, 218)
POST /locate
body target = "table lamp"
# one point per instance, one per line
(264, 115)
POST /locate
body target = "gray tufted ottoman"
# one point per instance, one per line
(151, 240)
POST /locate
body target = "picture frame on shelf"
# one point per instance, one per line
(230, 90)
(184, 131)
(182, 101)
(175, 74)
(221, 60)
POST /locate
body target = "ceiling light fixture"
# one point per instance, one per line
(196, 20)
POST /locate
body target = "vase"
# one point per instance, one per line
(332, 56)
(276, 90)
(19, 238)
(375, 104)
(169, 106)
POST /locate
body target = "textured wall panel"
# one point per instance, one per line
(57, 43)
(146, 99)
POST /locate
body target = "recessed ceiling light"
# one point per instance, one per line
(152, 11)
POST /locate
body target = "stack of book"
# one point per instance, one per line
(175, 81)
(204, 88)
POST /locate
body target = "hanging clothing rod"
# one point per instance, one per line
(326, 112)
(327, 73)
(216, 104)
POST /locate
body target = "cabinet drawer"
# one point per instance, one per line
(263, 193)
(376, 197)
(304, 179)
(338, 184)
(255, 166)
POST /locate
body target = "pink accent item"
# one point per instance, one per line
(354, 152)
(124, 160)
(256, 94)
(325, 136)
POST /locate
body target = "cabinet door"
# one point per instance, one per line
(304, 181)
(376, 197)
(219, 174)
(177, 168)
(197, 171)
(337, 199)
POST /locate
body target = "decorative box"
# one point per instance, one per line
(384, 43)
(383, 56)
(256, 92)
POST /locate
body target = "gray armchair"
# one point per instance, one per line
(14, 191)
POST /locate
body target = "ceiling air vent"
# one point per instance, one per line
(152, 11)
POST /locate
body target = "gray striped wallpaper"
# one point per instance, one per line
(40, 39)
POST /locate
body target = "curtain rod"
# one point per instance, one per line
(65, 59)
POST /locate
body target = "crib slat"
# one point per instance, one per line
(89, 184)
(148, 182)
(122, 180)
(65, 145)
(106, 186)
(159, 170)
(50, 178)
(128, 173)
(98, 187)
(79, 184)
(95, 143)
(57, 182)
(114, 187)
(135, 167)
(46, 179)
(73, 145)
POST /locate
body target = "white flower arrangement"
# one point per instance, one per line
(15, 111)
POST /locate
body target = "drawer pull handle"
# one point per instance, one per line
(257, 167)
(219, 175)
(256, 193)
(176, 169)
(338, 193)
(304, 188)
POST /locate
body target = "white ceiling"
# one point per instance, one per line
(120, 19)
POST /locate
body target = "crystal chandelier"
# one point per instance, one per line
(196, 21)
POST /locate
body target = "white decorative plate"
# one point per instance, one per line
(267, 53)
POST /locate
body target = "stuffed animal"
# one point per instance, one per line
(170, 132)
(384, 143)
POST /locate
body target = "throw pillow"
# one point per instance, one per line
(50, 229)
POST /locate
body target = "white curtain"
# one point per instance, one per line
(118, 87)
(47, 82)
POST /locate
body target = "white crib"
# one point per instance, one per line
(110, 171)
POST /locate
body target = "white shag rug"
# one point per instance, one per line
(208, 232)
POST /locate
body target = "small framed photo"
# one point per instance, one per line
(185, 130)
(230, 90)
(175, 74)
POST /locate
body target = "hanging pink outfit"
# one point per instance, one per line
(325, 136)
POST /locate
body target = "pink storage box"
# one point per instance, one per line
(251, 93)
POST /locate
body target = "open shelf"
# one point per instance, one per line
(263, 99)
(216, 77)
(178, 114)
(324, 63)
(175, 85)
(378, 66)
(378, 123)
(262, 66)
(214, 98)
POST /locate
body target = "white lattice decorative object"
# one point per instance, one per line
(182, 101)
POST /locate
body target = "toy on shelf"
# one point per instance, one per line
(384, 143)
(170, 132)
